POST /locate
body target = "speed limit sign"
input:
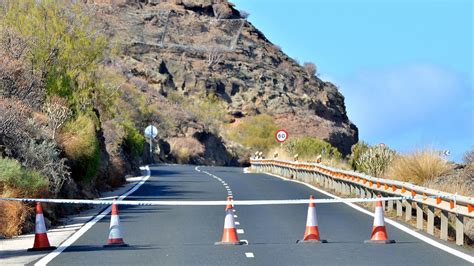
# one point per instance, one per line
(281, 135)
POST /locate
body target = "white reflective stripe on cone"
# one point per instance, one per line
(312, 220)
(39, 224)
(229, 220)
(115, 227)
(378, 219)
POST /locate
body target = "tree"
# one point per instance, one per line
(221, 11)
(310, 68)
(57, 110)
(214, 56)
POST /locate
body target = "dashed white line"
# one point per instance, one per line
(237, 223)
(249, 255)
(240, 231)
(235, 216)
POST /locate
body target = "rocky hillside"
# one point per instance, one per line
(187, 47)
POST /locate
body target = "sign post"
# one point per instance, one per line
(151, 132)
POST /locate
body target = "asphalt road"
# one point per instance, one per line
(182, 235)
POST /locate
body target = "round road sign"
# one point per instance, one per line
(151, 132)
(281, 135)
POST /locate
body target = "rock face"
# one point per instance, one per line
(191, 46)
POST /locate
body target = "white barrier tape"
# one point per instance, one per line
(210, 203)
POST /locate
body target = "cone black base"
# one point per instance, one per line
(115, 245)
(379, 241)
(311, 241)
(230, 243)
(41, 249)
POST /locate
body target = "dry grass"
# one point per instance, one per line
(418, 167)
(454, 186)
(184, 149)
(13, 216)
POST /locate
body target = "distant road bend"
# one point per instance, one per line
(185, 235)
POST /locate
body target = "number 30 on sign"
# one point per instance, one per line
(281, 135)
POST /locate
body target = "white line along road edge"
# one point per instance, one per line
(46, 259)
(405, 229)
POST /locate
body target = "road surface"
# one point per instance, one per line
(185, 235)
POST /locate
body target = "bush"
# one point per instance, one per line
(418, 167)
(79, 141)
(256, 132)
(310, 68)
(468, 157)
(185, 149)
(134, 142)
(24, 182)
(309, 148)
(356, 152)
(375, 160)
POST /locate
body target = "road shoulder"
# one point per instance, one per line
(13, 251)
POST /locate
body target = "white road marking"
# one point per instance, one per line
(245, 241)
(249, 255)
(46, 259)
(240, 231)
(237, 223)
(235, 216)
(392, 222)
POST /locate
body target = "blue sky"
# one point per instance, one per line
(405, 67)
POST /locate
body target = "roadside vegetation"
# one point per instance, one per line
(255, 133)
(63, 105)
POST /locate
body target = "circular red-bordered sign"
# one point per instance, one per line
(281, 135)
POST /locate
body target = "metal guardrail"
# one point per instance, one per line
(433, 203)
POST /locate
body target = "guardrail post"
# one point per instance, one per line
(459, 230)
(357, 191)
(444, 225)
(431, 215)
(408, 211)
(419, 216)
(399, 208)
(389, 205)
(348, 188)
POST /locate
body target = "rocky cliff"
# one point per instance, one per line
(187, 47)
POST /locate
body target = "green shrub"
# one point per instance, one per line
(256, 132)
(79, 141)
(134, 141)
(309, 148)
(23, 181)
(356, 152)
(375, 160)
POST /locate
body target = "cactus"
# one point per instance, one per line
(375, 160)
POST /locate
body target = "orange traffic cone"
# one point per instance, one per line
(311, 235)
(229, 236)
(230, 205)
(379, 233)
(41, 237)
(115, 235)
